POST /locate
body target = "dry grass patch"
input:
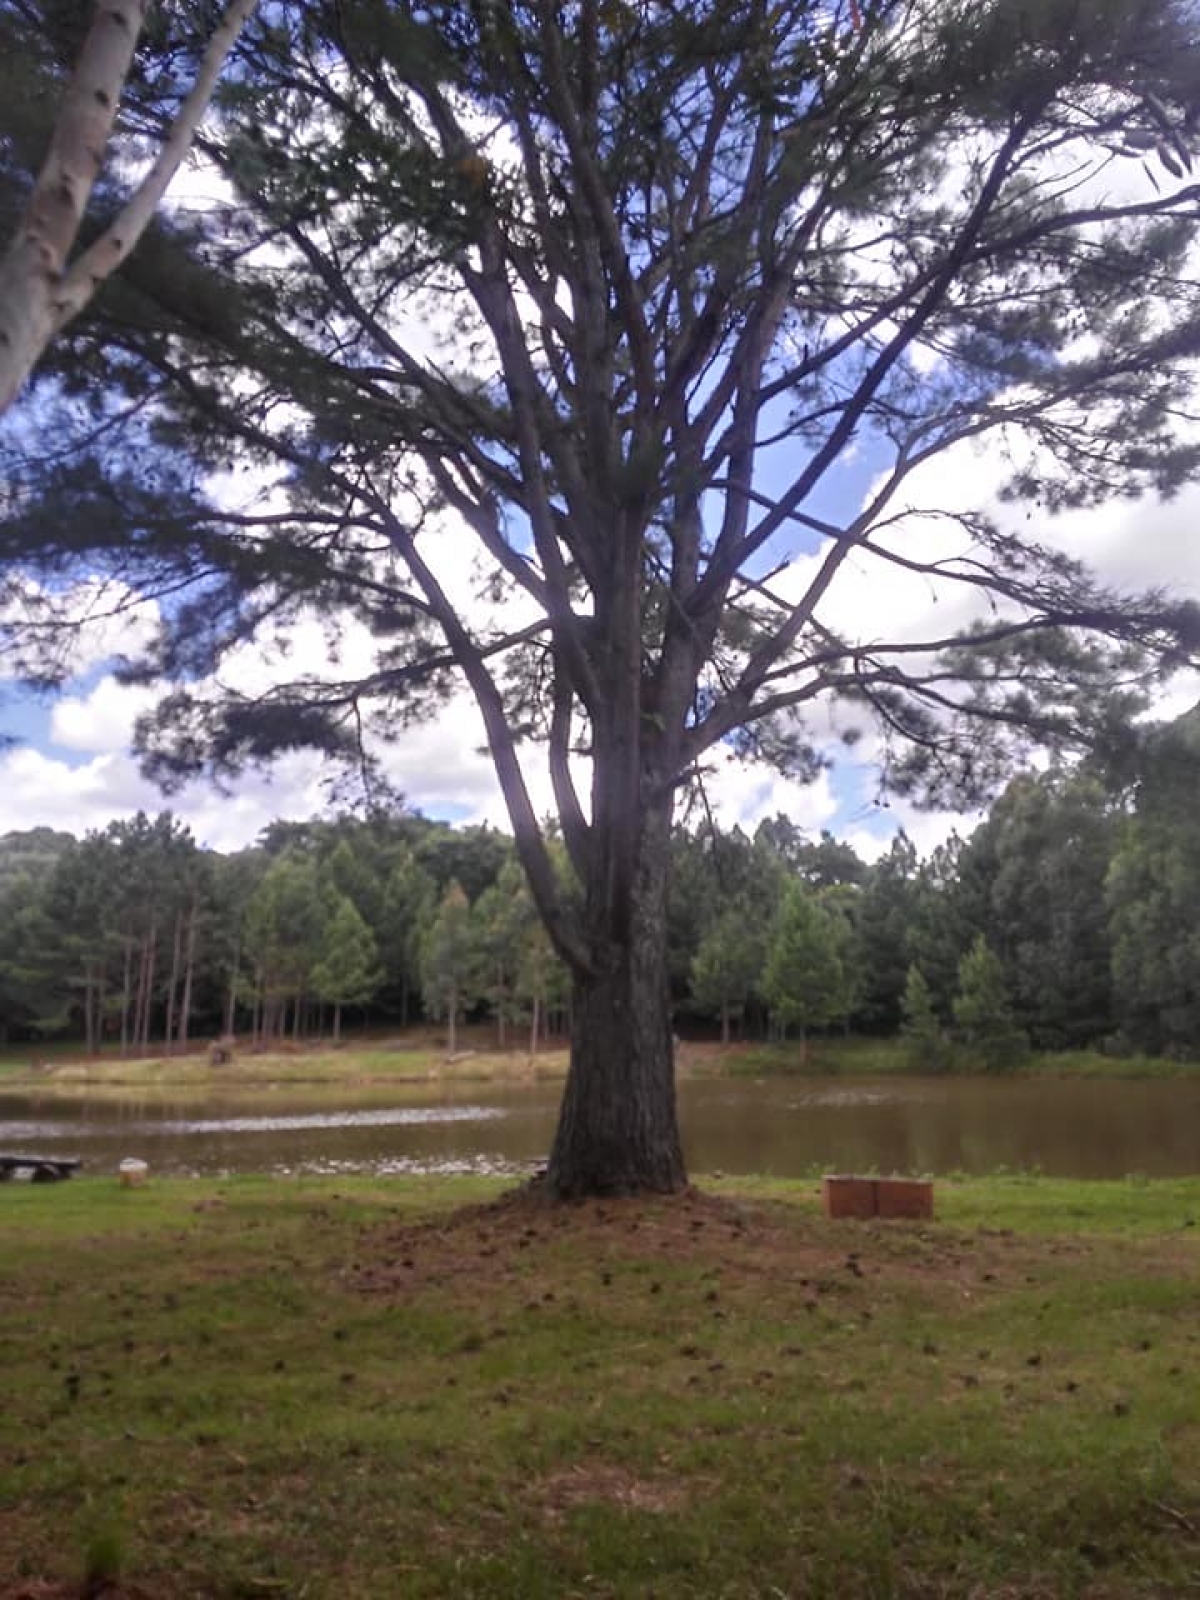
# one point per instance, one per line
(598, 1483)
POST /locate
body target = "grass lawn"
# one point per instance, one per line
(360, 1388)
(862, 1056)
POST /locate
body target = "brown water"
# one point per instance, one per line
(1065, 1127)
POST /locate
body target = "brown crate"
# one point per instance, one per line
(903, 1197)
(843, 1196)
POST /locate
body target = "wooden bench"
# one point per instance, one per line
(846, 1196)
(38, 1169)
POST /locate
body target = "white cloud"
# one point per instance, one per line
(101, 720)
(1130, 544)
(741, 795)
(926, 829)
(442, 767)
(292, 788)
(98, 620)
(38, 790)
(1182, 695)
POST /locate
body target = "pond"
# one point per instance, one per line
(788, 1127)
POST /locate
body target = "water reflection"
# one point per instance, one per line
(788, 1127)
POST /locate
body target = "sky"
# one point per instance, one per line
(71, 765)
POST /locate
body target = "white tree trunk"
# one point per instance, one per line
(39, 292)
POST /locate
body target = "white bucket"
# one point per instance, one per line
(132, 1173)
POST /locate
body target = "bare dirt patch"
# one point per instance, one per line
(749, 1244)
(604, 1484)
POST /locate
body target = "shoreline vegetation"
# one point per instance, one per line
(421, 1057)
(358, 1386)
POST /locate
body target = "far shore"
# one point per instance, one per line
(421, 1057)
(396, 1061)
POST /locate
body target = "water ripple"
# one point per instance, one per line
(390, 1117)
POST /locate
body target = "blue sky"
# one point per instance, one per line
(72, 765)
(73, 768)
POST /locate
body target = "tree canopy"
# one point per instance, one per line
(594, 300)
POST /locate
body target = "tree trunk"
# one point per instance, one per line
(126, 995)
(145, 986)
(138, 991)
(33, 268)
(173, 985)
(148, 999)
(89, 1024)
(618, 1132)
(39, 291)
(189, 970)
(231, 995)
(724, 1025)
(534, 1024)
(337, 1022)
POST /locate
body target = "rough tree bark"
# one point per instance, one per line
(617, 1130)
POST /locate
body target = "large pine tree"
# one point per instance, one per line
(607, 290)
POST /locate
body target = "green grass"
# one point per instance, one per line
(853, 1057)
(1093, 1064)
(358, 1388)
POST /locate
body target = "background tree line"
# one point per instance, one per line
(1067, 919)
